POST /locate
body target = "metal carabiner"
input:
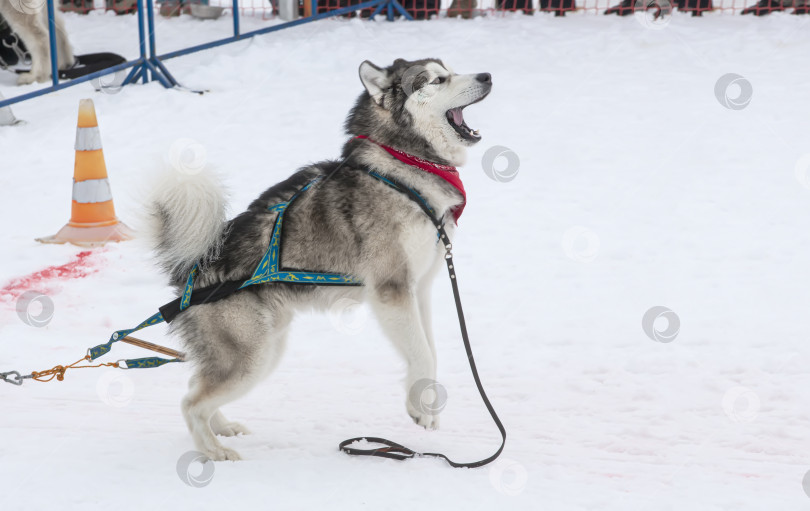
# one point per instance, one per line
(16, 378)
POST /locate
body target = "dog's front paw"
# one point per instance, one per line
(230, 429)
(425, 418)
(222, 453)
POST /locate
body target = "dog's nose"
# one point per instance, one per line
(484, 77)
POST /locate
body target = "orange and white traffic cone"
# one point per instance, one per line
(92, 219)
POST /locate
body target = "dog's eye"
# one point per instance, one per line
(438, 80)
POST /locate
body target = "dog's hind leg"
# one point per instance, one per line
(200, 405)
(237, 344)
(270, 356)
(395, 305)
(273, 351)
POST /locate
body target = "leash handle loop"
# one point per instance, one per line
(393, 450)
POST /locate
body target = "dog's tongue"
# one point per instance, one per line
(458, 118)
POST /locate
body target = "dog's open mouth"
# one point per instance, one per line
(456, 119)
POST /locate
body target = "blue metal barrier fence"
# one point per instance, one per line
(150, 67)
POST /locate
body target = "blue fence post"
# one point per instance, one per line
(398, 6)
(52, 35)
(138, 71)
(142, 40)
(314, 7)
(235, 18)
(156, 69)
(378, 9)
(150, 17)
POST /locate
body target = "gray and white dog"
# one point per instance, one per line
(29, 20)
(348, 222)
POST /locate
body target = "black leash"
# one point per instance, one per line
(393, 449)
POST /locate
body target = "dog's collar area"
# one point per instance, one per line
(447, 172)
(410, 159)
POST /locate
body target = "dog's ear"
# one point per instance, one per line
(376, 80)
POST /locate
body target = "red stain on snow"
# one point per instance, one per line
(80, 267)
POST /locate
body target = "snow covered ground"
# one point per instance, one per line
(636, 188)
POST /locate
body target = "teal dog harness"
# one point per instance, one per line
(268, 270)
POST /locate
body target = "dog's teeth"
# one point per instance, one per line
(476, 132)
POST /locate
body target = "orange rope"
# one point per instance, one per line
(58, 372)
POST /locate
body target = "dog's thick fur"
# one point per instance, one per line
(349, 223)
(29, 20)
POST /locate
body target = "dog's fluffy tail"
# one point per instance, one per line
(186, 220)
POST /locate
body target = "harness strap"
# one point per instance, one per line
(402, 188)
(268, 270)
(269, 267)
(394, 450)
(102, 349)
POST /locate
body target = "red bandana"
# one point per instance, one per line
(446, 172)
